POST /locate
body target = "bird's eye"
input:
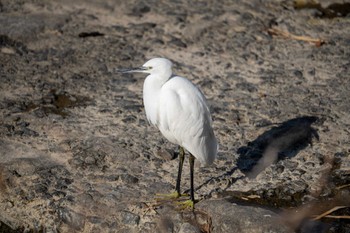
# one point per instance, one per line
(150, 67)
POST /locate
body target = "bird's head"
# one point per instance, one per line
(155, 66)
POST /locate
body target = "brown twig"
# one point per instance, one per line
(288, 35)
(337, 217)
(326, 214)
(343, 186)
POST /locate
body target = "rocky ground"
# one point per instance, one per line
(76, 151)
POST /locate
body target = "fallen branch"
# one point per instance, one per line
(285, 34)
(326, 214)
(337, 216)
(343, 186)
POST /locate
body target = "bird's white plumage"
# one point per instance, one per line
(179, 110)
(185, 120)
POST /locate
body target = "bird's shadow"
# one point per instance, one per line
(283, 141)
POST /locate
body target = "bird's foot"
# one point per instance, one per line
(185, 205)
(180, 203)
(170, 196)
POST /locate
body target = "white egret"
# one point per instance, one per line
(180, 111)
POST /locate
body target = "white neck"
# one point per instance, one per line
(151, 90)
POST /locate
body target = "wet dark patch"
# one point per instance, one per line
(4, 228)
(56, 103)
(332, 11)
(90, 34)
(19, 47)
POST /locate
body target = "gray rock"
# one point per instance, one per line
(188, 228)
(165, 225)
(129, 218)
(129, 179)
(229, 217)
(71, 218)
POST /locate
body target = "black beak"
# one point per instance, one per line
(132, 70)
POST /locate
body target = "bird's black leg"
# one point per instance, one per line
(191, 176)
(181, 163)
(177, 192)
(188, 203)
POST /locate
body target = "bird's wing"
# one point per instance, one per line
(185, 118)
(182, 106)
